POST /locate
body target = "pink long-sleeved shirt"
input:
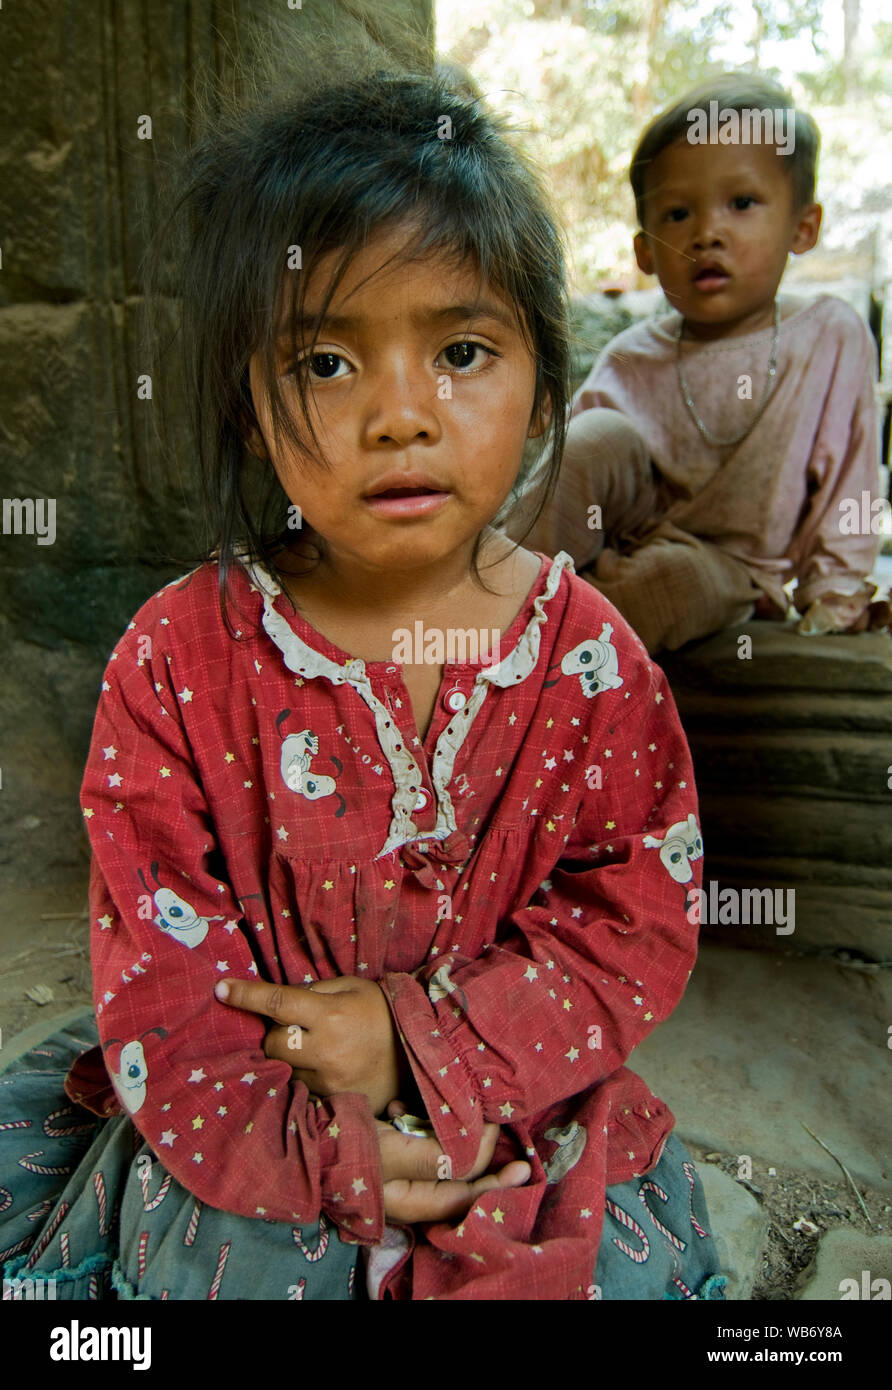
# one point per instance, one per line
(772, 501)
(517, 883)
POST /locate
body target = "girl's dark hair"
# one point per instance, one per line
(299, 177)
(734, 91)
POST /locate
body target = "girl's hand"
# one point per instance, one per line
(415, 1188)
(337, 1035)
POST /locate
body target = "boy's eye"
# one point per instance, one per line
(461, 356)
(743, 202)
(675, 215)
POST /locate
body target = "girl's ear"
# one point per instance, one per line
(254, 441)
(643, 254)
(541, 419)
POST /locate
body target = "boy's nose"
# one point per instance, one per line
(709, 231)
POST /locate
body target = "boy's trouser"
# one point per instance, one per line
(671, 587)
(87, 1211)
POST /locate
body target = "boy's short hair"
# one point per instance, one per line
(734, 91)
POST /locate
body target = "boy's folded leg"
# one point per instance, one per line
(673, 590)
(656, 1241)
(605, 488)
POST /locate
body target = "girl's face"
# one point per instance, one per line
(720, 225)
(420, 379)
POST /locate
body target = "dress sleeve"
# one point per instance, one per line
(579, 976)
(230, 1124)
(836, 549)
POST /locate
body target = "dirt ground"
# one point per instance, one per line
(788, 1254)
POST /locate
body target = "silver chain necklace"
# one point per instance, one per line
(686, 393)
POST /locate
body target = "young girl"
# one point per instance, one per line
(716, 452)
(372, 940)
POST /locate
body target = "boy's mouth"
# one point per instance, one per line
(710, 277)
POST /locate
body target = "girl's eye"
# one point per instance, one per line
(675, 215)
(463, 356)
(743, 202)
(321, 366)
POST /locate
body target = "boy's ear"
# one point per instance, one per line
(643, 255)
(807, 226)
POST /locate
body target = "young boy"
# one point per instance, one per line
(712, 450)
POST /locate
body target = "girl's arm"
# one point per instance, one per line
(229, 1123)
(577, 979)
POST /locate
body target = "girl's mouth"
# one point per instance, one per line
(406, 501)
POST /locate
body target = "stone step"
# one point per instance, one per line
(798, 828)
(812, 763)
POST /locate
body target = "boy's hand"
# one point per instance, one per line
(414, 1186)
(337, 1035)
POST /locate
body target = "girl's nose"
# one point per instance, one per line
(402, 406)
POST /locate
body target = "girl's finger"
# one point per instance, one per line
(282, 1003)
(395, 1109)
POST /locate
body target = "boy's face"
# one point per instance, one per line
(407, 377)
(719, 225)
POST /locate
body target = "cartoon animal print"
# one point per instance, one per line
(130, 1074)
(571, 1140)
(594, 661)
(680, 845)
(440, 986)
(177, 917)
(298, 752)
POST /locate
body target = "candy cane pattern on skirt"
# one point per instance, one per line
(298, 1294)
(5, 1198)
(41, 1211)
(65, 1243)
(689, 1174)
(639, 1256)
(350, 1278)
(99, 1189)
(312, 1256)
(48, 1235)
(15, 1250)
(16, 1124)
(189, 1237)
(54, 1132)
(687, 1293)
(44, 1169)
(141, 1254)
(93, 1287)
(664, 1197)
(159, 1196)
(221, 1265)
